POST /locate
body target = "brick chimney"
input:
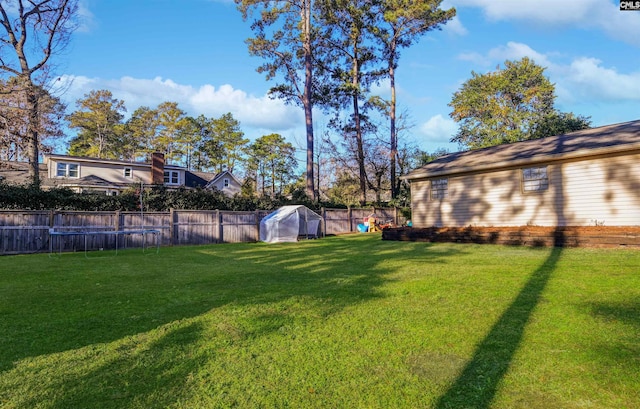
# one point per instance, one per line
(157, 168)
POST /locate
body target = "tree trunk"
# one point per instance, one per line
(310, 188)
(307, 97)
(273, 181)
(358, 132)
(392, 117)
(32, 134)
(360, 152)
(262, 191)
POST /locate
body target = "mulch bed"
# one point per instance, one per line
(579, 236)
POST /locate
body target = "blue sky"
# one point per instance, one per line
(193, 52)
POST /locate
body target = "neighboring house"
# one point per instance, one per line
(226, 183)
(587, 177)
(84, 174)
(18, 172)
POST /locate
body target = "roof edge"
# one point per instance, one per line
(581, 153)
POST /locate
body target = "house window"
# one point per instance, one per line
(226, 183)
(128, 173)
(67, 170)
(535, 179)
(171, 177)
(439, 188)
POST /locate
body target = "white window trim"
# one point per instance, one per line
(226, 182)
(67, 168)
(439, 189)
(168, 177)
(124, 172)
(535, 182)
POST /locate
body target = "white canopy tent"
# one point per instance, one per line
(289, 222)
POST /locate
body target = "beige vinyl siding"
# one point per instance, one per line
(604, 190)
(230, 190)
(115, 173)
(111, 172)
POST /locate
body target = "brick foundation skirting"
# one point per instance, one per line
(579, 236)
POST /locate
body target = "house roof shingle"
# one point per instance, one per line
(587, 142)
(219, 176)
(17, 173)
(71, 158)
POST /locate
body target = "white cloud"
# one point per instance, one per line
(547, 11)
(86, 19)
(621, 25)
(256, 112)
(438, 129)
(590, 14)
(516, 51)
(511, 51)
(455, 27)
(590, 80)
(381, 88)
(583, 79)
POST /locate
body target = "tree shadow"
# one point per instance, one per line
(477, 384)
(628, 313)
(50, 307)
(623, 347)
(134, 376)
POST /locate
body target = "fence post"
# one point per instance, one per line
(349, 214)
(217, 227)
(221, 227)
(257, 216)
(52, 219)
(395, 216)
(172, 227)
(323, 214)
(118, 220)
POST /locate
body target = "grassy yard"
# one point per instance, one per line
(342, 322)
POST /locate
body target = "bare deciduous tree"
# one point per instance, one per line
(13, 121)
(33, 31)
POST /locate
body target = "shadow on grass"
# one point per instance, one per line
(49, 307)
(622, 348)
(478, 382)
(628, 313)
(136, 375)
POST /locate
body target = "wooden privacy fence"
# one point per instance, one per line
(26, 231)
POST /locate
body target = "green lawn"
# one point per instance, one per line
(342, 322)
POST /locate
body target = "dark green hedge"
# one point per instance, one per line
(156, 198)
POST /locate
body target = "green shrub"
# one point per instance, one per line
(156, 198)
